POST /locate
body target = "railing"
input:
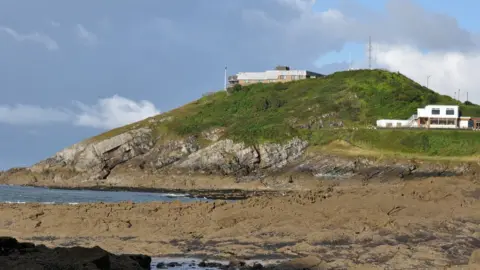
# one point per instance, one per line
(412, 120)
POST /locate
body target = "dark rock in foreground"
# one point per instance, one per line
(15, 255)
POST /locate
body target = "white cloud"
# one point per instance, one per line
(86, 36)
(449, 71)
(36, 37)
(108, 113)
(21, 114)
(114, 112)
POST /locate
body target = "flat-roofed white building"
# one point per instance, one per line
(438, 116)
(433, 116)
(280, 74)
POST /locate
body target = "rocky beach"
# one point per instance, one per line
(420, 224)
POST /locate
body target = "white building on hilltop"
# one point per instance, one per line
(433, 116)
(280, 74)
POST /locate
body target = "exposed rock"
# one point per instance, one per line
(134, 156)
(15, 255)
(99, 158)
(170, 152)
(276, 156)
(227, 157)
(214, 134)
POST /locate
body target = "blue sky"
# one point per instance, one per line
(69, 71)
(465, 13)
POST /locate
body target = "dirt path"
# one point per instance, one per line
(430, 223)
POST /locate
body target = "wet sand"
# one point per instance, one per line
(429, 223)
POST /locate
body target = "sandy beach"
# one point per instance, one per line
(428, 223)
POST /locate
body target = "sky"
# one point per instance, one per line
(73, 69)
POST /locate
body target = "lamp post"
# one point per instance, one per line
(428, 77)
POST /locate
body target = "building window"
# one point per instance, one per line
(442, 121)
(450, 121)
(435, 111)
(389, 124)
(399, 124)
(450, 111)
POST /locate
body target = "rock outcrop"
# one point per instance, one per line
(15, 255)
(137, 155)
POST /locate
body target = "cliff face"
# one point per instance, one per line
(135, 159)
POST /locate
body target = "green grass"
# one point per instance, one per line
(447, 143)
(275, 112)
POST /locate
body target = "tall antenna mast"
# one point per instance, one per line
(369, 52)
(225, 77)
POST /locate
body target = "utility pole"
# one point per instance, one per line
(458, 94)
(428, 77)
(467, 96)
(369, 52)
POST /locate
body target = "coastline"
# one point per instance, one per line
(212, 194)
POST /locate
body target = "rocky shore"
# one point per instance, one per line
(136, 160)
(432, 223)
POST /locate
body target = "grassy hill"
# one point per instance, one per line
(313, 109)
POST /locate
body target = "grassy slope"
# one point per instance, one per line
(273, 112)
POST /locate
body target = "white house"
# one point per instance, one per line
(432, 116)
(438, 116)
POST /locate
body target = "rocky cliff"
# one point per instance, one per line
(137, 158)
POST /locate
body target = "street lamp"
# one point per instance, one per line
(428, 77)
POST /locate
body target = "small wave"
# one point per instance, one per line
(17, 202)
(24, 202)
(175, 195)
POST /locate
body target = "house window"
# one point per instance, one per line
(389, 125)
(282, 77)
(443, 121)
(399, 124)
(435, 111)
(450, 111)
(450, 121)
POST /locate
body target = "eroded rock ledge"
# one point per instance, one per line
(137, 158)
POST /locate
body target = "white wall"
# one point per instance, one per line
(394, 122)
(427, 111)
(463, 123)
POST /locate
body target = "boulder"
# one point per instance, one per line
(15, 255)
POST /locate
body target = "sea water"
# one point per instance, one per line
(21, 194)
